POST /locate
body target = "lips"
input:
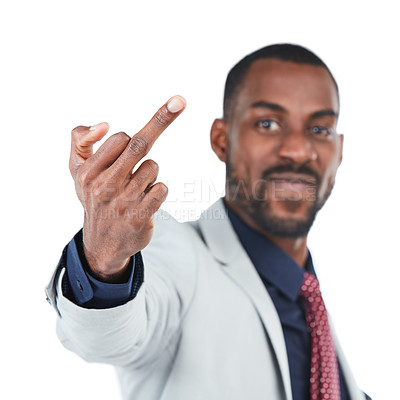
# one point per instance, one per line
(293, 179)
(293, 187)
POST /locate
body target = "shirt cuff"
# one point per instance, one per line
(86, 291)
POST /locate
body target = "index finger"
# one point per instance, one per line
(141, 143)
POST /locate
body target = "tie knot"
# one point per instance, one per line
(310, 286)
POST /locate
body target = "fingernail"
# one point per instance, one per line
(176, 104)
(94, 127)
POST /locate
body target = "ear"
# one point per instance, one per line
(219, 138)
(341, 139)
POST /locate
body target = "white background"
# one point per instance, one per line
(82, 62)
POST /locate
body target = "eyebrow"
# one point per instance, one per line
(271, 106)
(277, 107)
(324, 113)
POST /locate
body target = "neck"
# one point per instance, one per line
(296, 248)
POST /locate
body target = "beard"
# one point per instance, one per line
(254, 202)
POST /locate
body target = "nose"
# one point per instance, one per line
(297, 147)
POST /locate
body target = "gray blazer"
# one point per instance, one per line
(202, 325)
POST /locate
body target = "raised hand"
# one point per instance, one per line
(119, 205)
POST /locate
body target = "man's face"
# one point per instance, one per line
(283, 150)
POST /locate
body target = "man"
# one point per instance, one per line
(227, 307)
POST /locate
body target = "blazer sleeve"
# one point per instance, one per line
(133, 334)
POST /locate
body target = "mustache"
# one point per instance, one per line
(303, 169)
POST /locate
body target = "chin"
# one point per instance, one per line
(290, 208)
(288, 220)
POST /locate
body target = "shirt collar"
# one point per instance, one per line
(271, 262)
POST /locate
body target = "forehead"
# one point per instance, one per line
(288, 84)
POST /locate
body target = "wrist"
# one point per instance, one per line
(115, 271)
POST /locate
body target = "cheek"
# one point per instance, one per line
(248, 166)
(255, 155)
(240, 157)
(328, 177)
(251, 153)
(240, 165)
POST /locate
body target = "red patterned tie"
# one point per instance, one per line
(324, 379)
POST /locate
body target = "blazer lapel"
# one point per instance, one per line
(226, 248)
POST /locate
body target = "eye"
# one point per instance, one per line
(321, 131)
(268, 124)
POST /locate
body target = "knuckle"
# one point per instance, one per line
(162, 118)
(143, 215)
(98, 195)
(150, 223)
(138, 145)
(82, 177)
(147, 223)
(156, 199)
(136, 183)
(162, 190)
(158, 196)
(135, 220)
(152, 167)
(77, 131)
(121, 137)
(103, 192)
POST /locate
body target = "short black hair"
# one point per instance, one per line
(282, 51)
